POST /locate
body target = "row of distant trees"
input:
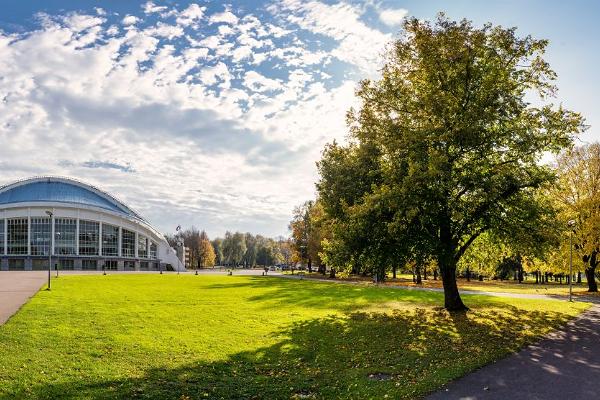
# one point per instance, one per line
(443, 165)
(235, 249)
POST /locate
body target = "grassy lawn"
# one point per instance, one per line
(233, 337)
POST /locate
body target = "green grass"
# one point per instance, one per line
(233, 337)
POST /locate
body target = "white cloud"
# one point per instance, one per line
(165, 30)
(226, 17)
(259, 83)
(393, 17)
(358, 44)
(241, 53)
(129, 20)
(150, 8)
(190, 15)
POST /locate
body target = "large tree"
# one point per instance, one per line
(578, 197)
(453, 144)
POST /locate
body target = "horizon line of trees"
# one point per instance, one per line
(235, 249)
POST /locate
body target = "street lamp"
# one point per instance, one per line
(571, 224)
(50, 214)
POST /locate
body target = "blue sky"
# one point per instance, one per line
(212, 114)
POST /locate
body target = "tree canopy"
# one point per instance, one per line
(444, 147)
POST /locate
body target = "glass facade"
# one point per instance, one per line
(17, 264)
(110, 240)
(39, 264)
(129, 266)
(1, 236)
(111, 265)
(41, 236)
(89, 265)
(67, 264)
(127, 243)
(88, 238)
(17, 233)
(32, 237)
(142, 247)
(65, 232)
(152, 250)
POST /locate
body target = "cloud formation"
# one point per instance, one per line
(192, 114)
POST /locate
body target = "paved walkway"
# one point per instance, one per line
(564, 365)
(16, 287)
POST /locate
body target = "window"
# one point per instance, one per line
(67, 264)
(17, 265)
(65, 231)
(112, 265)
(144, 265)
(128, 243)
(152, 250)
(41, 234)
(1, 236)
(110, 240)
(17, 233)
(89, 265)
(88, 238)
(39, 264)
(142, 247)
(129, 266)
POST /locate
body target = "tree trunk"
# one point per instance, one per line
(425, 272)
(447, 265)
(435, 273)
(394, 271)
(332, 273)
(452, 300)
(591, 279)
(578, 276)
(309, 265)
(590, 271)
(468, 275)
(418, 271)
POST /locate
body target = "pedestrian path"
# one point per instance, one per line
(16, 287)
(564, 365)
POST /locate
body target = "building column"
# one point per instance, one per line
(135, 253)
(6, 237)
(120, 242)
(100, 239)
(29, 232)
(52, 234)
(77, 237)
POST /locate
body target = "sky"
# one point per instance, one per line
(212, 114)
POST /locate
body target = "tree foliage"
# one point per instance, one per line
(578, 197)
(444, 147)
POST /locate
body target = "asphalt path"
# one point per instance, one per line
(16, 287)
(565, 365)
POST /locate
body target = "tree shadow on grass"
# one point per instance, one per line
(403, 354)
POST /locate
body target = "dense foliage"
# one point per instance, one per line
(444, 148)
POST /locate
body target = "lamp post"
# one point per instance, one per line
(571, 224)
(50, 214)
